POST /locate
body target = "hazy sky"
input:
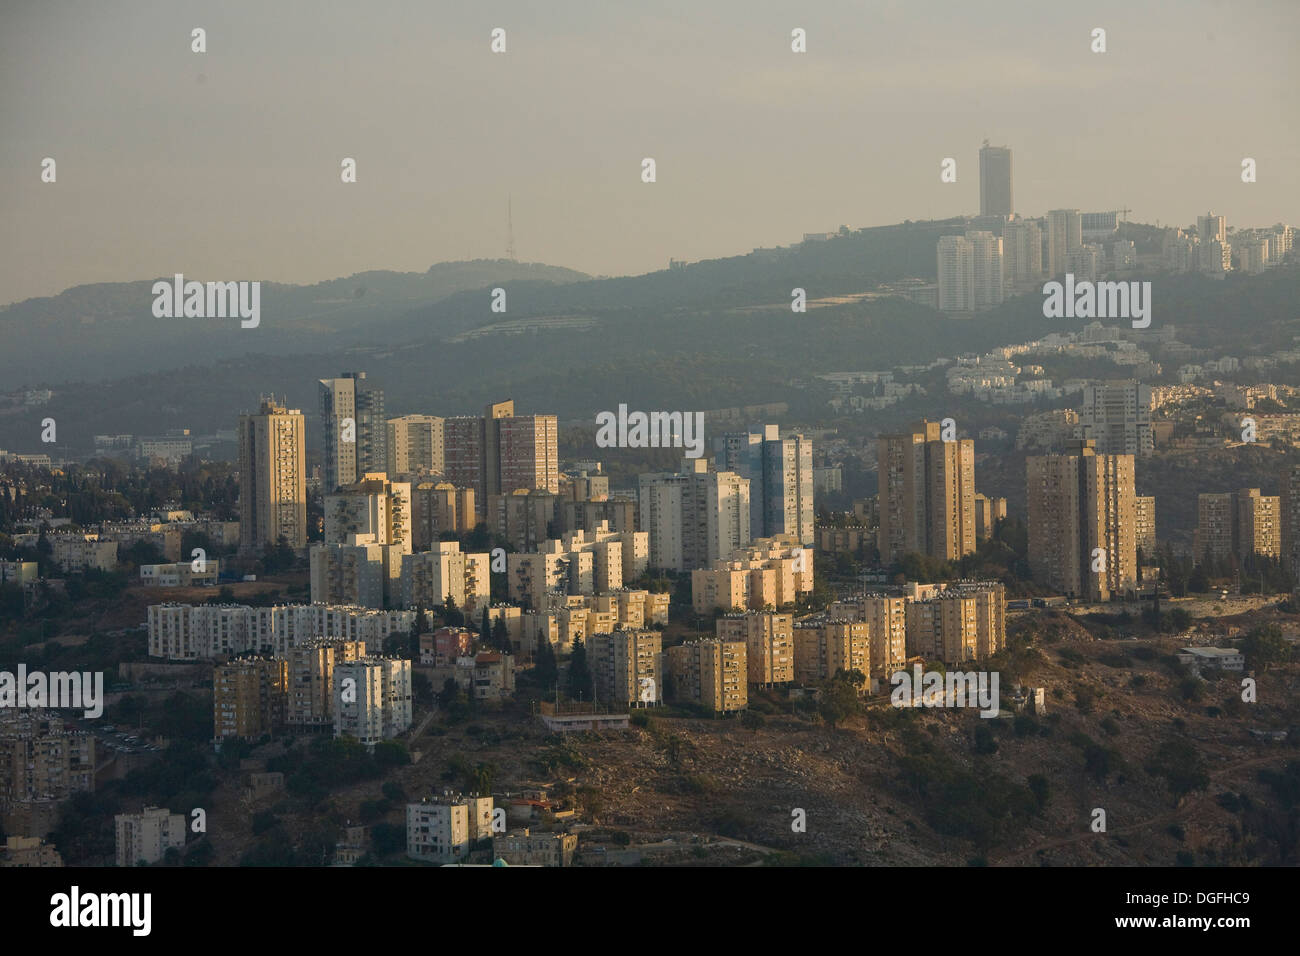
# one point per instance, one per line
(225, 165)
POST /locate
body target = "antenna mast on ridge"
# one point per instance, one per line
(510, 231)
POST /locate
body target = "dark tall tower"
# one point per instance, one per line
(995, 180)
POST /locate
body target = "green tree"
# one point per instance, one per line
(1265, 646)
(500, 636)
(839, 702)
(1040, 788)
(1181, 766)
(580, 685)
(545, 668)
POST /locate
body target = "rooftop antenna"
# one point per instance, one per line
(510, 230)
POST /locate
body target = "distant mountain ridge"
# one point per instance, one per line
(112, 330)
(682, 338)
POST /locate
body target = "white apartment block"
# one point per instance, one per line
(441, 832)
(956, 268)
(180, 574)
(694, 517)
(147, 836)
(184, 632)
(970, 272)
(372, 698)
(83, 552)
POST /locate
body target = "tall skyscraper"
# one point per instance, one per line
(780, 477)
(415, 445)
(927, 494)
(350, 452)
(501, 452)
(995, 181)
(1082, 522)
(272, 478)
(1064, 236)
(1117, 416)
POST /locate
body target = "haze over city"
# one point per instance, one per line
(227, 163)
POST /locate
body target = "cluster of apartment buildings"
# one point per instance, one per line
(320, 684)
(766, 573)
(1008, 253)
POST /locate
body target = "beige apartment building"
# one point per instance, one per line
(1082, 523)
(1289, 504)
(428, 577)
(525, 848)
(1144, 525)
(525, 517)
(710, 673)
(415, 445)
(769, 644)
(887, 620)
(249, 697)
(822, 650)
(28, 853)
(42, 763)
(988, 512)
(565, 618)
(627, 667)
(272, 478)
(1239, 524)
(311, 667)
(439, 507)
(373, 507)
(957, 624)
(358, 572)
(1216, 522)
(927, 494)
(770, 573)
(80, 552)
(1259, 524)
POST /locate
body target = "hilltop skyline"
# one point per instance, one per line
(226, 163)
